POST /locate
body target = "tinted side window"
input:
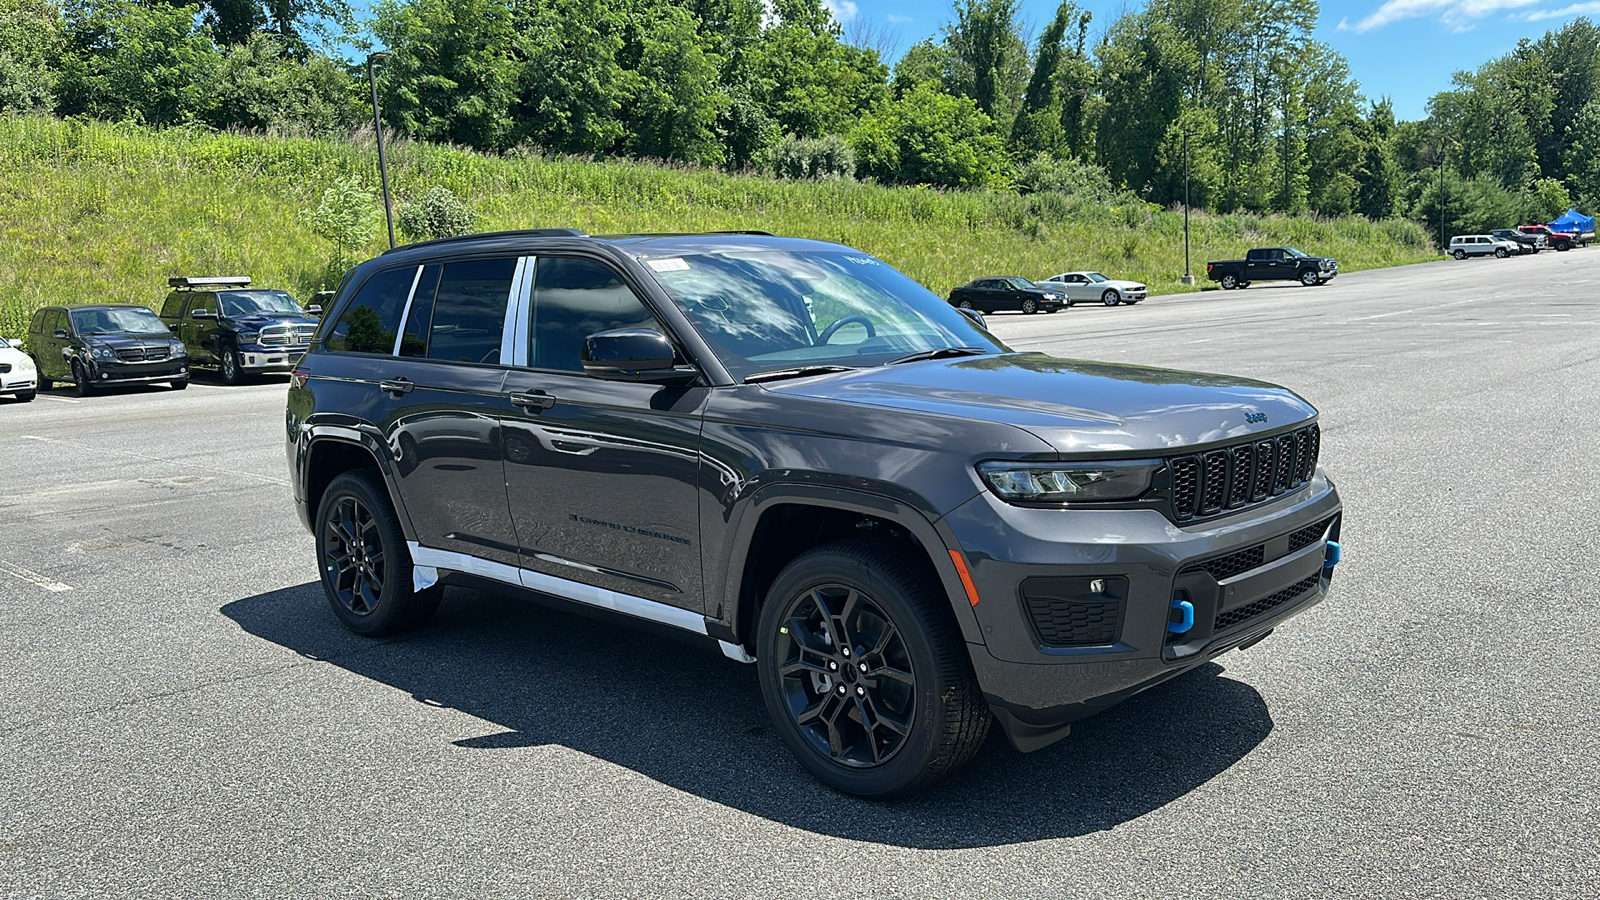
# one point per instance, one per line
(173, 307)
(469, 311)
(572, 299)
(368, 324)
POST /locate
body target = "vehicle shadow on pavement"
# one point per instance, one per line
(693, 720)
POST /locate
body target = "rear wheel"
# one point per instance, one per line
(1230, 281)
(1110, 298)
(965, 304)
(365, 569)
(45, 384)
(863, 672)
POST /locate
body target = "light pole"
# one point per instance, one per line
(1444, 239)
(377, 123)
(1187, 278)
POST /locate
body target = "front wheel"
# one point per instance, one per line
(1030, 306)
(179, 384)
(1110, 298)
(26, 396)
(863, 672)
(232, 367)
(1309, 278)
(80, 379)
(365, 569)
(1500, 253)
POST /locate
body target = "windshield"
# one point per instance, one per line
(1022, 283)
(1095, 277)
(1291, 251)
(770, 310)
(245, 303)
(116, 321)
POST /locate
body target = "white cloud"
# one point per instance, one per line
(843, 10)
(894, 19)
(1457, 15)
(1576, 9)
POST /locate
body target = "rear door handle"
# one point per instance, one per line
(532, 400)
(396, 386)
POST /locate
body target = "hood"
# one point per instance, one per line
(125, 340)
(1076, 406)
(13, 356)
(1122, 284)
(261, 320)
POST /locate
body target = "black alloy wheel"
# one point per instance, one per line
(365, 570)
(232, 367)
(1030, 306)
(863, 670)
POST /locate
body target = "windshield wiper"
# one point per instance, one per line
(801, 372)
(941, 353)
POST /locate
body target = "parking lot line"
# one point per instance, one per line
(33, 577)
(186, 464)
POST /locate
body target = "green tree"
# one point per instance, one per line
(930, 137)
(453, 76)
(124, 60)
(987, 57)
(345, 215)
(258, 85)
(31, 42)
(810, 81)
(438, 213)
(677, 99)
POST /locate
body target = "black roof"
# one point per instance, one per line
(663, 244)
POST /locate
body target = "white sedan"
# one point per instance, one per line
(17, 374)
(1090, 287)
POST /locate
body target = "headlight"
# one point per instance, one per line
(102, 353)
(26, 365)
(177, 350)
(1069, 482)
(248, 337)
(1051, 296)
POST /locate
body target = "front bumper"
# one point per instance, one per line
(270, 359)
(118, 372)
(1059, 647)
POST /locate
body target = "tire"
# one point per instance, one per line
(359, 542)
(1563, 247)
(179, 384)
(45, 384)
(1310, 278)
(965, 304)
(80, 380)
(27, 396)
(1110, 298)
(1230, 281)
(1500, 253)
(1030, 306)
(895, 617)
(231, 367)
(1460, 254)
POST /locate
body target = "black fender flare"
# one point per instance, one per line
(934, 538)
(365, 436)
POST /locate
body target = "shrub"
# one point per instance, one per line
(827, 157)
(438, 214)
(345, 215)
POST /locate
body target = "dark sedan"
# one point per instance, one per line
(987, 295)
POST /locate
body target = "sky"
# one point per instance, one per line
(1406, 50)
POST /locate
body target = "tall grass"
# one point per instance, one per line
(96, 212)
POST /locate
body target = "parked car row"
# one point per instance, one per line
(1014, 293)
(213, 322)
(1522, 240)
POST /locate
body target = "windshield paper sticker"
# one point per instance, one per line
(671, 264)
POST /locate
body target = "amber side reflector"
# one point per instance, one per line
(966, 576)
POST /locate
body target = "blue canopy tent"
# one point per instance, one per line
(1574, 222)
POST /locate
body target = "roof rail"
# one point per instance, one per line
(523, 232)
(211, 282)
(650, 234)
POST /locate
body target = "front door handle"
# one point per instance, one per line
(532, 400)
(396, 386)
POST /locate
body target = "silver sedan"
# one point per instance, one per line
(1091, 287)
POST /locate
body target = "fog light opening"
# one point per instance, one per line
(1180, 618)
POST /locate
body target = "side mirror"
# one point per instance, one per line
(975, 316)
(14, 343)
(313, 310)
(633, 354)
(202, 314)
(61, 333)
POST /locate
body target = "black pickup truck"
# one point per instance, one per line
(1272, 264)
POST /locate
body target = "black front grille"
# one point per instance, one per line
(1217, 481)
(1234, 563)
(141, 354)
(1309, 535)
(4, 368)
(1067, 623)
(1233, 617)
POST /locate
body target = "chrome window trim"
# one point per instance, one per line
(514, 331)
(405, 314)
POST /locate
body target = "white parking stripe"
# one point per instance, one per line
(57, 399)
(48, 584)
(185, 464)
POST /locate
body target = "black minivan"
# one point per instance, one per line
(104, 345)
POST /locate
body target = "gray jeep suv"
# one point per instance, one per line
(793, 450)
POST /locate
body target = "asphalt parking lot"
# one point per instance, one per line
(184, 716)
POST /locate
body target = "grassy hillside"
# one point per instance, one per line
(94, 212)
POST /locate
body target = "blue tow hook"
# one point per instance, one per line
(1185, 611)
(1331, 557)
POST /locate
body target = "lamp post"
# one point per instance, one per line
(1187, 278)
(1444, 239)
(377, 123)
